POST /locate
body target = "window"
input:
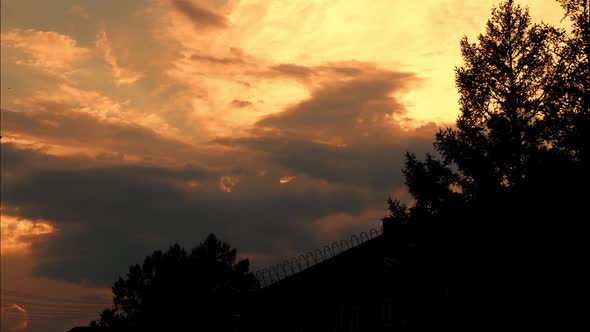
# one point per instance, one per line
(335, 316)
(387, 311)
(347, 318)
(340, 318)
(355, 319)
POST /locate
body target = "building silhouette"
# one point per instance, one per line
(376, 285)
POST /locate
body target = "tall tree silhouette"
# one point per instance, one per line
(508, 96)
(524, 98)
(502, 197)
(512, 87)
(504, 102)
(176, 290)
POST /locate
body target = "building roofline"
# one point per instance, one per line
(274, 273)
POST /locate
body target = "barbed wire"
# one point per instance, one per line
(274, 273)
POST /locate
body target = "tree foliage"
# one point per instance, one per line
(507, 184)
(503, 101)
(177, 290)
(524, 94)
(573, 88)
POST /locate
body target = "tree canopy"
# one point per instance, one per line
(180, 290)
(524, 102)
(506, 184)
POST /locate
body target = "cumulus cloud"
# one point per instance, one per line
(346, 102)
(344, 108)
(348, 131)
(48, 51)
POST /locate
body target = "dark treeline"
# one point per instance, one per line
(498, 207)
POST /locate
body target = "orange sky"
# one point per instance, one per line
(225, 88)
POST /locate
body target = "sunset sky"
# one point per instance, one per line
(129, 125)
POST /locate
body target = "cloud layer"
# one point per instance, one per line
(114, 189)
(109, 216)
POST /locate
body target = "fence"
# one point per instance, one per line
(269, 275)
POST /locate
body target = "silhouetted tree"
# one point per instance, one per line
(174, 290)
(502, 148)
(502, 197)
(524, 109)
(503, 100)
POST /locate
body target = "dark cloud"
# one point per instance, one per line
(59, 124)
(200, 16)
(352, 69)
(375, 167)
(216, 60)
(111, 216)
(236, 58)
(298, 72)
(330, 73)
(345, 109)
(347, 132)
(240, 103)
